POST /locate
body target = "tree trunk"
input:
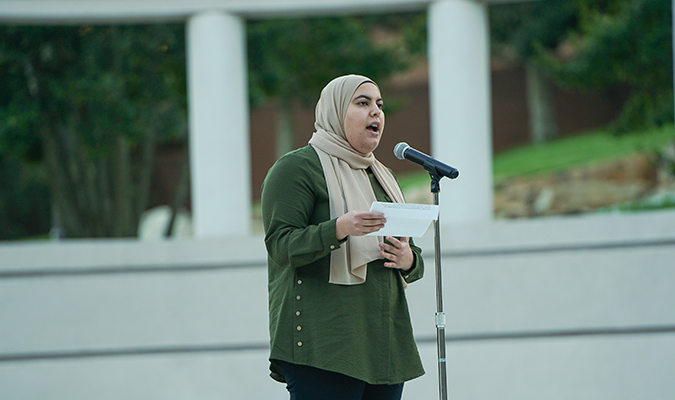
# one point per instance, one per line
(181, 192)
(63, 188)
(284, 135)
(93, 198)
(123, 225)
(147, 163)
(541, 105)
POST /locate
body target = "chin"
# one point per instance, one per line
(366, 150)
(370, 147)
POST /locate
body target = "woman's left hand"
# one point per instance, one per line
(399, 255)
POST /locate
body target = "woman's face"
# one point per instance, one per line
(364, 119)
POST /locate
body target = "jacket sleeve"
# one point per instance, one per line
(289, 198)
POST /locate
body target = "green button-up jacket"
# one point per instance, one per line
(363, 331)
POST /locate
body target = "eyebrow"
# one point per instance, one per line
(366, 97)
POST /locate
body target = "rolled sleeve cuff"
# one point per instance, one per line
(328, 235)
(415, 272)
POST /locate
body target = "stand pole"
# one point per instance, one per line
(440, 315)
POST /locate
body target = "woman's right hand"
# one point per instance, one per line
(358, 223)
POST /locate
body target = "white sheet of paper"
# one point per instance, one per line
(409, 220)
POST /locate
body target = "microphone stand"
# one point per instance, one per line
(436, 170)
(440, 315)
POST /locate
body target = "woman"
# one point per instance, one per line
(339, 321)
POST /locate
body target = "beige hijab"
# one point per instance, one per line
(348, 185)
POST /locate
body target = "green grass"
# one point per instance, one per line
(578, 150)
(413, 179)
(585, 148)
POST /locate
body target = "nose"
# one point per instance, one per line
(376, 111)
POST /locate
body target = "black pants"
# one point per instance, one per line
(309, 383)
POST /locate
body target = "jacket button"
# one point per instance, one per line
(298, 297)
(332, 247)
(297, 313)
(299, 281)
(299, 344)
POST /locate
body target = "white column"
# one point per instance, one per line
(461, 128)
(219, 128)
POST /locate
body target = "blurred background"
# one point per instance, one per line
(93, 134)
(106, 292)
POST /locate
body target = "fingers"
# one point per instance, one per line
(359, 223)
(367, 222)
(396, 245)
(398, 254)
(398, 242)
(369, 219)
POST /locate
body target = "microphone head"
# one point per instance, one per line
(399, 150)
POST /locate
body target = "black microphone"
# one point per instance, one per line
(402, 150)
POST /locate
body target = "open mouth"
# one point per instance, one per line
(375, 128)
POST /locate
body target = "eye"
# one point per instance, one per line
(381, 106)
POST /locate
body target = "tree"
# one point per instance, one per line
(627, 43)
(291, 60)
(522, 31)
(92, 103)
(24, 199)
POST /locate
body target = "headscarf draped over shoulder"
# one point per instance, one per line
(346, 178)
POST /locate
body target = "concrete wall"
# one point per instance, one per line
(568, 308)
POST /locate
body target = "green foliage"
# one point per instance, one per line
(518, 33)
(92, 102)
(526, 28)
(411, 26)
(295, 58)
(95, 82)
(597, 44)
(626, 43)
